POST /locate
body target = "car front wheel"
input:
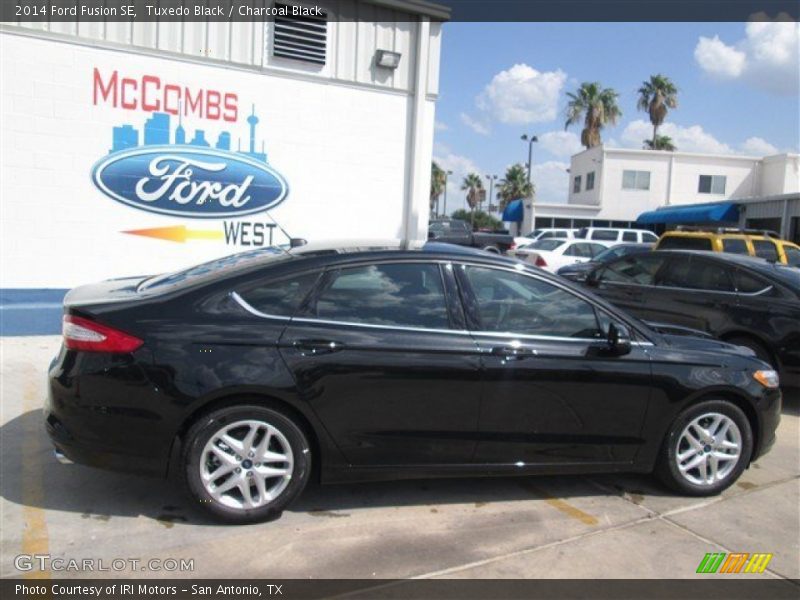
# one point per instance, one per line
(245, 463)
(706, 449)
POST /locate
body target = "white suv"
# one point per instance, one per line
(613, 235)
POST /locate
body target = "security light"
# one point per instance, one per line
(387, 59)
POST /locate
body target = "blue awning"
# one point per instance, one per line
(514, 211)
(713, 212)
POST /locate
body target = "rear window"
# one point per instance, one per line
(766, 249)
(209, 270)
(792, 256)
(684, 243)
(546, 245)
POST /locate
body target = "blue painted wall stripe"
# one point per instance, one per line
(30, 311)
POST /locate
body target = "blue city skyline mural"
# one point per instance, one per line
(157, 132)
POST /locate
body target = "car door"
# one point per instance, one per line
(625, 281)
(380, 353)
(549, 396)
(693, 291)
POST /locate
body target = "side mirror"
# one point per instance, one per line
(592, 278)
(619, 339)
(431, 235)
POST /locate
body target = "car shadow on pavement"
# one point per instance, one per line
(98, 494)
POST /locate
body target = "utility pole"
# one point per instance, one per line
(446, 175)
(530, 139)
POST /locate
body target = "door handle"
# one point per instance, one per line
(512, 352)
(317, 347)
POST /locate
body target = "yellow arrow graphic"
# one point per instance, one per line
(177, 233)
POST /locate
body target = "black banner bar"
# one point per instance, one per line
(42, 11)
(712, 588)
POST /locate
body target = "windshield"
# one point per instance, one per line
(617, 251)
(546, 245)
(792, 255)
(213, 268)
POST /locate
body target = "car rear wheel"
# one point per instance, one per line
(245, 464)
(706, 449)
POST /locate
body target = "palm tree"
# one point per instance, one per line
(656, 97)
(438, 181)
(597, 105)
(472, 184)
(514, 185)
(662, 142)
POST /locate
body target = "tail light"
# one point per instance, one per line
(86, 335)
(540, 262)
(513, 246)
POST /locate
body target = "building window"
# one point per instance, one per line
(636, 180)
(576, 184)
(300, 38)
(590, 181)
(711, 184)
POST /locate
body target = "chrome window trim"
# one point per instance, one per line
(693, 290)
(254, 311)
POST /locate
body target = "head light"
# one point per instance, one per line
(767, 378)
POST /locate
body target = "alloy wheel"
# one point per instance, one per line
(709, 448)
(246, 464)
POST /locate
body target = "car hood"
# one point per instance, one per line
(702, 344)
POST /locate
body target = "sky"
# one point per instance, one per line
(738, 92)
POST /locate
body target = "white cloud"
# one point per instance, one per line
(522, 95)
(686, 139)
(691, 139)
(552, 181)
(560, 143)
(460, 166)
(718, 59)
(767, 57)
(440, 126)
(758, 147)
(474, 124)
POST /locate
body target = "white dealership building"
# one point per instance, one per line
(615, 186)
(143, 147)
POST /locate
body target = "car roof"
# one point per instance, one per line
(788, 274)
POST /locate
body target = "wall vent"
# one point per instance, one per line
(300, 37)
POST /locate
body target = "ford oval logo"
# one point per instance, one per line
(200, 183)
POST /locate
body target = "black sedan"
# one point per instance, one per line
(739, 299)
(245, 375)
(578, 271)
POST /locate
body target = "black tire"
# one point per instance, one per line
(667, 467)
(761, 351)
(206, 427)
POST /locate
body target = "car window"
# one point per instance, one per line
(279, 298)
(734, 246)
(649, 237)
(766, 249)
(629, 236)
(406, 295)
(684, 243)
(511, 302)
(792, 255)
(636, 269)
(697, 274)
(750, 284)
(595, 249)
(546, 245)
(604, 235)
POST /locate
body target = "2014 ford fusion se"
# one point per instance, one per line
(364, 361)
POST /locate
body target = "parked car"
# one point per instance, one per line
(578, 271)
(544, 234)
(742, 300)
(613, 235)
(244, 375)
(750, 242)
(551, 253)
(454, 231)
